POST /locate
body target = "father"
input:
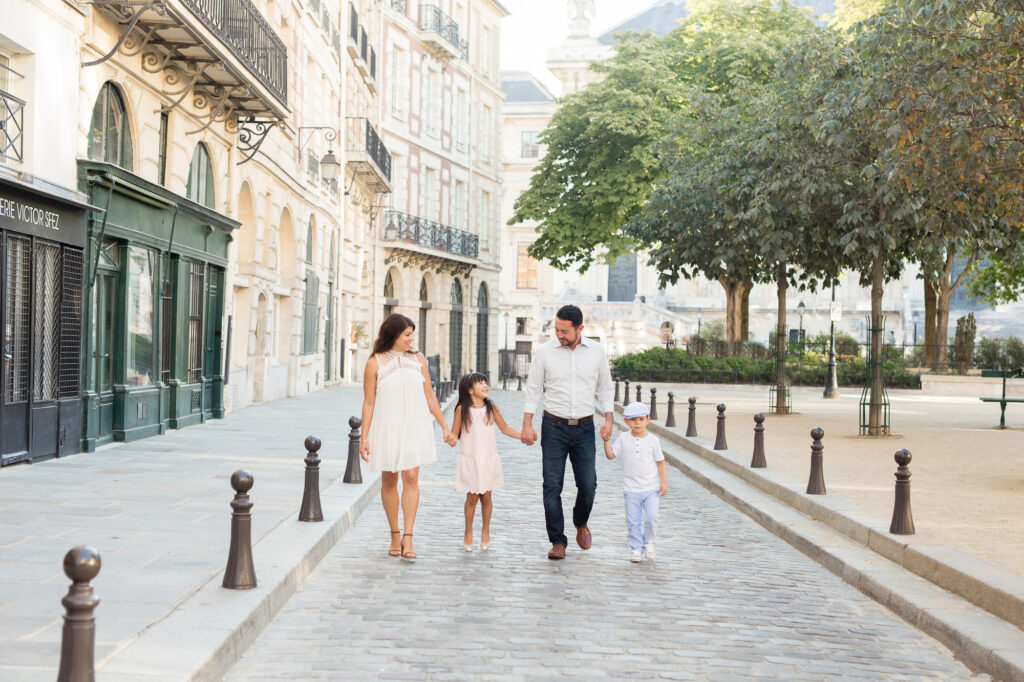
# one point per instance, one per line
(569, 370)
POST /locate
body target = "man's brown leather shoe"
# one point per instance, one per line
(557, 552)
(583, 538)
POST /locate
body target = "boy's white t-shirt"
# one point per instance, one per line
(638, 457)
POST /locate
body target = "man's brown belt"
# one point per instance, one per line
(570, 422)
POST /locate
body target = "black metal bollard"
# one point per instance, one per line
(654, 404)
(504, 382)
(816, 483)
(625, 397)
(670, 418)
(310, 509)
(78, 641)
(353, 473)
(520, 386)
(638, 398)
(902, 519)
(616, 398)
(691, 420)
(758, 461)
(720, 433)
(240, 574)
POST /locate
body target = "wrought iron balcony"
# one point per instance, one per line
(12, 127)
(244, 30)
(409, 229)
(441, 33)
(399, 6)
(367, 155)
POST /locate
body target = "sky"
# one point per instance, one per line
(533, 26)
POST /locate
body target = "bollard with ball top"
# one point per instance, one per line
(758, 461)
(902, 519)
(310, 509)
(816, 482)
(654, 404)
(616, 398)
(691, 419)
(639, 398)
(240, 573)
(670, 418)
(720, 433)
(353, 472)
(78, 640)
(625, 397)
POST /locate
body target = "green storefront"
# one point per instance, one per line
(153, 328)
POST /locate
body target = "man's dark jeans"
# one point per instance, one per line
(558, 440)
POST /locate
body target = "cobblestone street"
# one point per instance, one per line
(724, 600)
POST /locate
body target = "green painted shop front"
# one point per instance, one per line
(153, 331)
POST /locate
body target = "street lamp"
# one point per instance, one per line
(507, 317)
(329, 164)
(801, 309)
(831, 380)
(506, 358)
(700, 316)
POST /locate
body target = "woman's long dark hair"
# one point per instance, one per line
(390, 329)
(466, 384)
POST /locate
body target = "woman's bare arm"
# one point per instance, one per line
(369, 398)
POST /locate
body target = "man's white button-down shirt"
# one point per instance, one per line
(569, 379)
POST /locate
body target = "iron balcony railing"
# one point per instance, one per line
(399, 6)
(12, 127)
(361, 136)
(244, 30)
(433, 19)
(410, 229)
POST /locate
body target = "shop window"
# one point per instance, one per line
(46, 299)
(200, 177)
(196, 292)
(139, 366)
(110, 135)
(17, 330)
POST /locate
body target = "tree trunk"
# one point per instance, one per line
(929, 322)
(877, 283)
(943, 296)
(745, 311)
(734, 297)
(780, 345)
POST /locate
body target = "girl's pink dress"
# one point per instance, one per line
(478, 469)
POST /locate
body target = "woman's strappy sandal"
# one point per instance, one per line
(410, 554)
(395, 552)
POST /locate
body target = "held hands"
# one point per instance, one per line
(606, 429)
(450, 438)
(528, 436)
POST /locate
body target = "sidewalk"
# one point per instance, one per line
(158, 512)
(967, 474)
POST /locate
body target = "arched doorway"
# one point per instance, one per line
(481, 330)
(455, 331)
(389, 294)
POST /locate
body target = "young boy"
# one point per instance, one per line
(643, 479)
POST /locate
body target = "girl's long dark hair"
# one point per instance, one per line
(466, 384)
(392, 327)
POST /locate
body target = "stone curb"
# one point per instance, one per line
(857, 549)
(210, 631)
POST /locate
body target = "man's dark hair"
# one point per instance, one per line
(570, 313)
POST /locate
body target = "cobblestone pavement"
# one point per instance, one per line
(724, 600)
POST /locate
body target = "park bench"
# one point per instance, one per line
(1004, 375)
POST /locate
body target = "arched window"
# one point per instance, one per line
(110, 135)
(389, 294)
(455, 331)
(481, 329)
(309, 241)
(200, 177)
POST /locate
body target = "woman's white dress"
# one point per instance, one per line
(401, 434)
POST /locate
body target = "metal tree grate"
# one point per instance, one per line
(71, 325)
(47, 321)
(866, 406)
(18, 317)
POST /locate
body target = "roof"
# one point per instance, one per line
(520, 86)
(664, 15)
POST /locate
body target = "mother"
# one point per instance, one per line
(397, 405)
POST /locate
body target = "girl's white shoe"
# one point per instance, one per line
(484, 546)
(468, 548)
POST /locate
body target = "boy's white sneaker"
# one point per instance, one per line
(649, 551)
(637, 556)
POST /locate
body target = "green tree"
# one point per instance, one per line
(850, 12)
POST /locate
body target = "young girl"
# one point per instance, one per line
(479, 470)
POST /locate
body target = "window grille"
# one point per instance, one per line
(195, 323)
(166, 316)
(71, 324)
(17, 316)
(47, 320)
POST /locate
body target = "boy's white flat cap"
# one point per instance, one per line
(635, 410)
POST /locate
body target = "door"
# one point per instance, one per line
(46, 356)
(16, 317)
(213, 333)
(329, 333)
